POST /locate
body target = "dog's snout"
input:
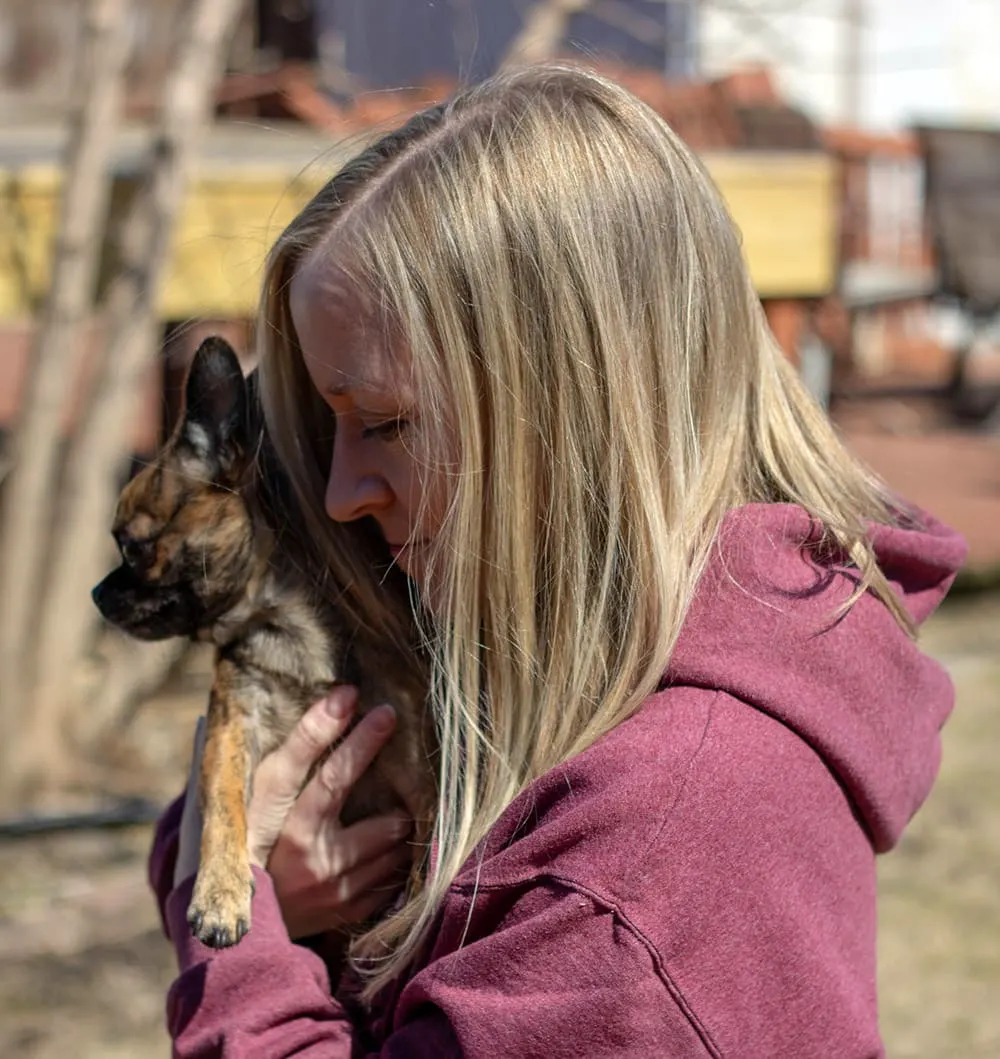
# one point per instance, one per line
(99, 596)
(108, 595)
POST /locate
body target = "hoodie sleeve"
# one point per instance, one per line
(562, 976)
(267, 997)
(163, 856)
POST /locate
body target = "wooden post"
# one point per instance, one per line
(31, 502)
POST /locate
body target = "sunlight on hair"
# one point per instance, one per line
(575, 299)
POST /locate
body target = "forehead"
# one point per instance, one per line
(344, 345)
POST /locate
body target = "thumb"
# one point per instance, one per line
(281, 776)
(319, 727)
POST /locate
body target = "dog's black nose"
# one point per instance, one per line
(96, 594)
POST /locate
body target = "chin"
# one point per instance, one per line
(408, 562)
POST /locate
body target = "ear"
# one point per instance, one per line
(215, 425)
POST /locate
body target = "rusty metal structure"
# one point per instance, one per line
(962, 168)
(962, 173)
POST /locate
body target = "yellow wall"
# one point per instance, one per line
(785, 205)
(27, 213)
(787, 209)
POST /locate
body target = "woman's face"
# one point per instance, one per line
(363, 377)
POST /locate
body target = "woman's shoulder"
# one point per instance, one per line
(684, 761)
(719, 842)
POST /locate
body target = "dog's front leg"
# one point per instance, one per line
(219, 913)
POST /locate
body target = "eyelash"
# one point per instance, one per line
(388, 431)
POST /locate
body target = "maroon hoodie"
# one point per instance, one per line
(700, 882)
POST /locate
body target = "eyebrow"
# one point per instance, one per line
(355, 386)
(373, 399)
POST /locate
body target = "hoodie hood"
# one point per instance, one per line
(714, 854)
(765, 627)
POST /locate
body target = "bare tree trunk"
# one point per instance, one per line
(99, 449)
(30, 490)
(131, 672)
(543, 31)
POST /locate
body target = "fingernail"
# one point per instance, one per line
(383, 718)
(340, 704)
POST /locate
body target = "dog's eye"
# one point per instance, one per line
(136, 553)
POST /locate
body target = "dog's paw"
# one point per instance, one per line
(219, 913)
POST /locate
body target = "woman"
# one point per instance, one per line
(670, 618)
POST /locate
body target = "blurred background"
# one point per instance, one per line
(151, 151)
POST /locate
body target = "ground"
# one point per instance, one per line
(85, 970)
(939, 965)
(953, 473)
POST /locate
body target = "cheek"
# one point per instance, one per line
(405, 480)
(437, 496)
(423, 485)
(430, 492)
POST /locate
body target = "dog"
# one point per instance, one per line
(201, 557)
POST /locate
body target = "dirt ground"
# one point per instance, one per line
(939, 960)
(84, 970)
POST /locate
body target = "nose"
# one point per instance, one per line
(352, 491)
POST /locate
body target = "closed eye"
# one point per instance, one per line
(388, 430)
(136, 553)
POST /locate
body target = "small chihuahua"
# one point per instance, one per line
(202, 558)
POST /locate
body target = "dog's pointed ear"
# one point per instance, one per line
(215, 428)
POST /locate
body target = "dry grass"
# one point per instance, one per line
(84, 970)
(939, 960)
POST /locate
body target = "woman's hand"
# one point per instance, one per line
(325, 875)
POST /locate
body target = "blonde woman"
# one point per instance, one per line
(670, 617)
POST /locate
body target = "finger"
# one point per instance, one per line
(318, 921)
(280, 776)
(369, 905)
(318, 728)
(368, 839)
(379, 878)
(326, 792)
(345, 848)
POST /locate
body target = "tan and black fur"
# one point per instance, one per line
(200, 558)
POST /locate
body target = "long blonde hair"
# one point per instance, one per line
(575, 299)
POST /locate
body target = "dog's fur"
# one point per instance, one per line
(201, 558)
